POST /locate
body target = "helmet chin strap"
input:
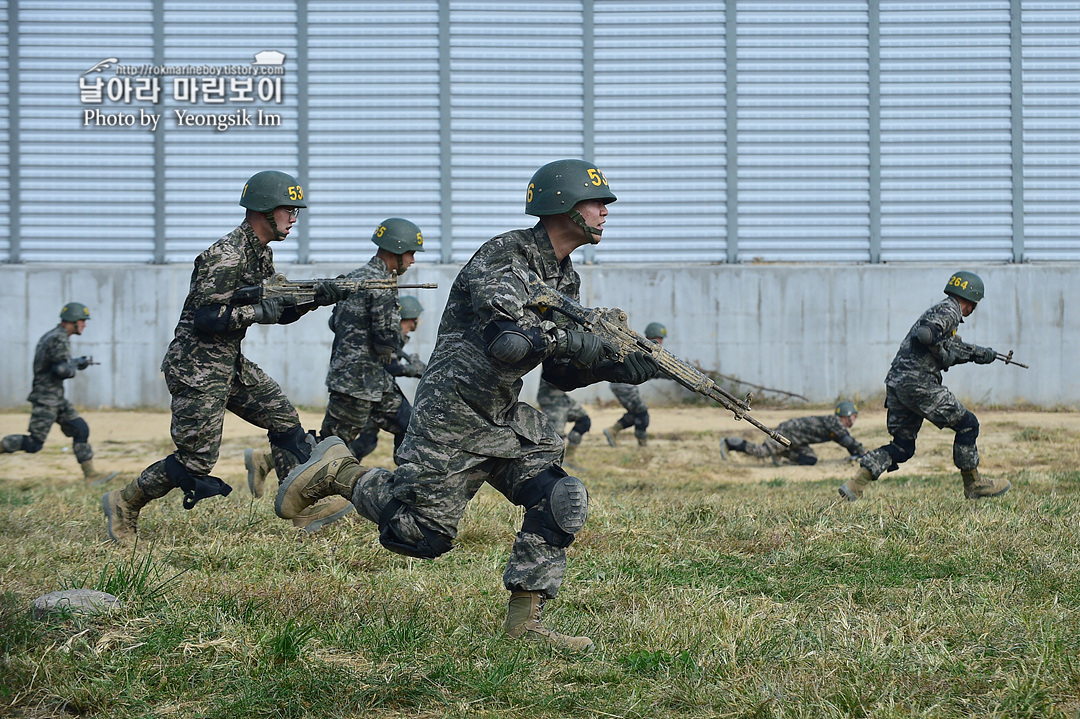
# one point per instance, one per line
(278, 234)
(400, 263)
(592, 234)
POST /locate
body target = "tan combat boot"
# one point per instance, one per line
(259, 463)
(332, 469)
(852, 489)
(326, 511)
(93, 476)
(121, 507)
(523, 622)
(611, 432)
(976, 486)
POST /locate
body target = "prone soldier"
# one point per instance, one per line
(205, 370)
(803, 432)
(914, 392)
(53, 364)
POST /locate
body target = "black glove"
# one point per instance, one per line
(584, 348)
(635, 369)
(269, 310)
(81, 362)
(983, 355)
(328, 293)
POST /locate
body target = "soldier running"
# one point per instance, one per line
(53, 364)
(629, 396)
(913, 392)
(470, 427)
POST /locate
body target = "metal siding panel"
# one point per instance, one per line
(374, 123)
(803, 145)
(5, 136)
(660, 121)
(516, 103)
(105, 175)
(946, 167)
(1051, 130)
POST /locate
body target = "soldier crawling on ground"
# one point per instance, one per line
(803, 432)
(913, 392)
(207, 373)
(470, 427)
(629, 396)
(53, 364)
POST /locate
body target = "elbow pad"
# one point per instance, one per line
(509, 343)
(927, 335)
(212, 319)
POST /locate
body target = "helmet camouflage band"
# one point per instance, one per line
(557, 186)
(846, 409)
(410, 307)
(74, 311)
(967, 285)
(654, 330)
(269, 189)
(398, 236)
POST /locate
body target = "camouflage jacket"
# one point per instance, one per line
(916, 360)
(468, 400)
(366, 320)
(205, 351)
(52, 365)
(815, 430)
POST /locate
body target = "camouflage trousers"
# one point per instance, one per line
(197, 420)
(637, 412)
(352, 419)
(562, 409)
(908, 406)
(771, 449)
(435, 483)
(43, 416)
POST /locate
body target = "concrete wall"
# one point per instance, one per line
(823, 331)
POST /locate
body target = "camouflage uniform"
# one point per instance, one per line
(913, 392)
(560, 408)
(469, 426)
(207, 374)
(363, 394)
(52, 365)
(637, 412)
(803, 432)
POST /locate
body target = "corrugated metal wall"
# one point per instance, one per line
(817, 130)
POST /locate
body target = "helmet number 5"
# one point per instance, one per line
(597, 177)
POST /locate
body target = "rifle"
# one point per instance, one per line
(302, 292)
(966, 350)
(611, 324)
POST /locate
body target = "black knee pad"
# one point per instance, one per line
(582, 425)
(31, 445)
(900, 450)
(563, 514)
(806, 459)
(364, 445)
(77, 429)
(641, 421)
(295, 441)
(967, 429)
(193, 487)
(430, 547)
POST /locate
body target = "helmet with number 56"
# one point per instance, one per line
(557, 186)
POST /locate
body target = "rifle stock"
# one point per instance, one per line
(612, 325)
(302, 292)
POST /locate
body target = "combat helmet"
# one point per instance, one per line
(846, 408)
(557, 186)
(398, 236)
(74, 311)
(966, 285)
(410, 307)
(655, 329)
(269, 189)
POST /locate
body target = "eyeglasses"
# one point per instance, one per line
(293, 211)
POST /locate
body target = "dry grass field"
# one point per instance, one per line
(711, 588)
